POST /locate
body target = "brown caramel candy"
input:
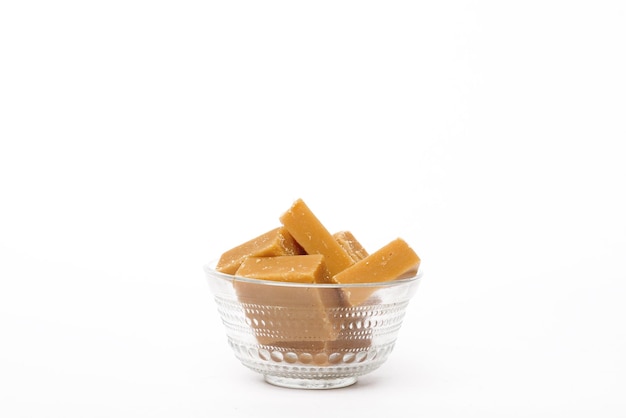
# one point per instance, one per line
(309, 232)
(286, 268)
(288, 316)
(390, 262)
(272, 243)
(350, 244)
(311, 320)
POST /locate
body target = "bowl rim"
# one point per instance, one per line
(209, 269)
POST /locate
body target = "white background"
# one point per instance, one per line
(140, 139)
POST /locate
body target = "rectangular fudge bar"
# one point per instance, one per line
(350, 244)
(288, 315)
(272, 243)
(309, 232)
(388, 263)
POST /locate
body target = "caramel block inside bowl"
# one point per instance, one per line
(313, 236)
(276, 242)
(390, 262)
(350, 244)
(286, 268)
(284, 315)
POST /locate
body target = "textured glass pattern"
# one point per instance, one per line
(304, 341)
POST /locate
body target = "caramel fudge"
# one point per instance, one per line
(272, 243)
(309, 232)
(290, 316)
(303, 251)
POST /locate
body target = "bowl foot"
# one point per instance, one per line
(292, 383)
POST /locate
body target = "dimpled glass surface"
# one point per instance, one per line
(314, 346)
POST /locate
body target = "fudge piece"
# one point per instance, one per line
(286, 268)
(350, 244)
(276, 242)
(287, 316)
(388, 263)
(309, 232)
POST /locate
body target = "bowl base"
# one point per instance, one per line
(292, 383)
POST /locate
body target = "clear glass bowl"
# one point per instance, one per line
(310, 336)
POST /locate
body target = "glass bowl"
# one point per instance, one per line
(310, 336)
